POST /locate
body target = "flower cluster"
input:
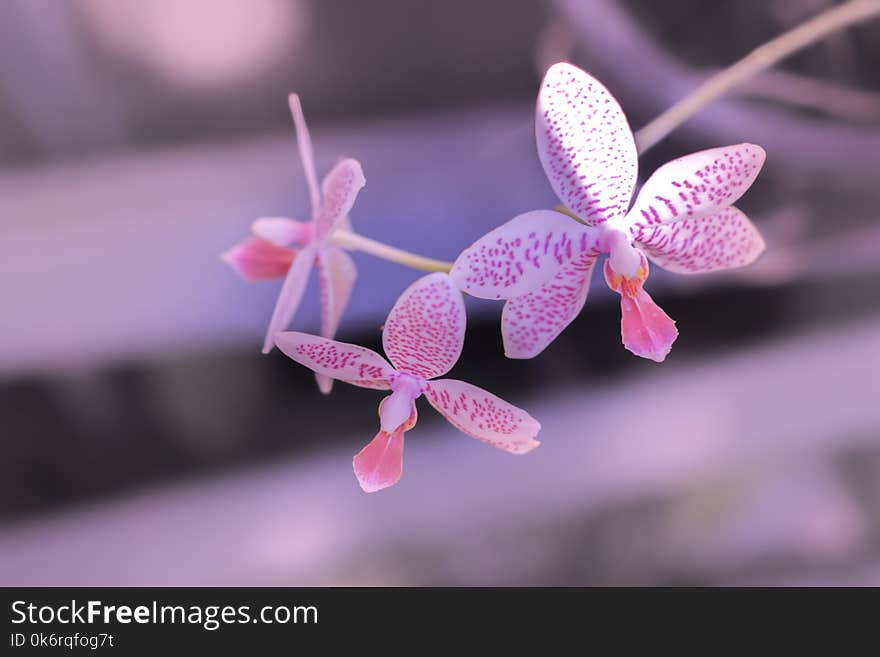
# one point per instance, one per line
(423, 337)
(287, 248)
(540, 263)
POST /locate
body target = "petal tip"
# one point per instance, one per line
(514, 354)
(646, 330)
(255, 259)
(355, 170)
(371, 486)
(528, 447)
(358, 169)
(657, 351)
(762, 245)
(762, 154)
(271, 341)
(228, 256)
(280, 339)
(233, 258)
(379, 464)
(325, 383)
(515, 351)
(560, 67)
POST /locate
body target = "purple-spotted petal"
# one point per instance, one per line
(696, 185)
(255, 259)
(531, 322)
(585, 144)
(725, 240)
(340, 188)
(521, 255)
(350, 363)
(484, 416)
(336, 276)
(424, 332)
(290, 296)
(282, 231)
(380, 464)
(646, 330)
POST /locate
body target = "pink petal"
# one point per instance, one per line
(424, 332)
(585, 144)
(380, 464)
(483, 415)
(696, 185)
(336, 276)
(531, 322)
(281, 231)
(306, 153)
(725, 240)
(521, 255)
(647, 331)
(257, 259)
(290, 295)
(340, 187)
(350, 363)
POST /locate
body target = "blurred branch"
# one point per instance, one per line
(763, 57)
(823, 96)
(555, 44)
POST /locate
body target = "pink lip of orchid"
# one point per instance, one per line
(286, 248)
(423, 337)
(541, 262)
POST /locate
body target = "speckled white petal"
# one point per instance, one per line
(585, 144)
(531, 322)
(340, 188)
(725, 240)
(290, 296)
(484, 416)
(521, 255)
(424, 332)
(696, 185)
(336, 277)
(351, 363)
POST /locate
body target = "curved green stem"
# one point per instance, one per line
(356, 242)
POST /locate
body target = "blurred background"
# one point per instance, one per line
(145, 440)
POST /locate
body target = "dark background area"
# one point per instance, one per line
(144, 439)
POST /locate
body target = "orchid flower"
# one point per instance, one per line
(683, 220)
(423, 337)
(286, 248)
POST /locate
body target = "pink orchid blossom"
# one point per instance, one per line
(683, 220)
(286, 248)
(423, 337)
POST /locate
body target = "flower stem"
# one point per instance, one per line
(357, 242)
(761, 58)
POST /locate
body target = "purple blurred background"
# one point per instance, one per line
(145, 440)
